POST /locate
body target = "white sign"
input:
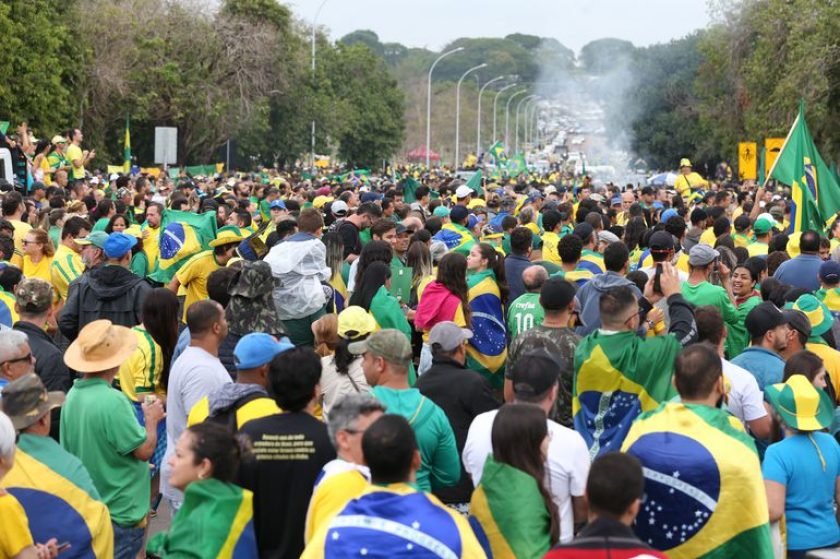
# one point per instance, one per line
(166, 145)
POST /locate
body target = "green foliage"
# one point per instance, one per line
(40, 64)
(365, 37)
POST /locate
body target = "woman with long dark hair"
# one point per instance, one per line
(517, 466)
(374, 251)
(102, 214)
(487, 349)
(341, 373)
(117, 224)
(444, 299)
(335, 262)
(634, 233)
(146, 371)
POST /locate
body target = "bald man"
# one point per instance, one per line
(627, 200)
(526, 312)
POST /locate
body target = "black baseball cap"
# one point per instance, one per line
(763, 318)
(583, 231)
(661, 241)
(556, 294)
(535, 373)
(798, 321)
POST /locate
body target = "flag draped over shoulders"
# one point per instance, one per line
(59, 508)
(215, 521)
(182, 235)
(617, 377)
(486, 350)
(455, 237)
(705, 493)
(511, 512)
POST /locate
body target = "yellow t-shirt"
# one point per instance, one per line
(550, 241)
(140, 374)
(708, 237)
(831, 361)
(193, 276)
(46, 167)
(684, 183)
(66, 265)
(75, 152)
(21, 229)
(330, 497)
(255, 409)
(41, 270)
(15, 535)
(151, 246)
(757, 249)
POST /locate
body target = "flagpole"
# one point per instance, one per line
(789, 134)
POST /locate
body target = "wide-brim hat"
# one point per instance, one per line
(101, 346)
(227, 236)
(800, 404)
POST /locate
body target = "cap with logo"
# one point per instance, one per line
(448, 335)
(390, 344)
(258, 348)
(26, 400)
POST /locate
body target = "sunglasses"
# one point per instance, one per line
(28, 357)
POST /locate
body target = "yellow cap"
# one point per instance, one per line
(320, 201)
(684, 162)
(354, 322)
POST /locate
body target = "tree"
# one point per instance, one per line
(365, 37)
(371, 106)
(603, 55)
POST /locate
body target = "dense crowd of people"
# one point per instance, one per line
(406, 364)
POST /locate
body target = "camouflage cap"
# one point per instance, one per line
(390, 344)
(34, 295)
(25, 400)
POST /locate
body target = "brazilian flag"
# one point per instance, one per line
(497, 152)
(487, 349)
(508, 506)
(215, 522)
(517, 165)
(704, 491)
(617, 377)
(56, 505)
(182, 235)
(455, 237)
(410, 190)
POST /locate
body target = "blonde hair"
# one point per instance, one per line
(43, 238)
(325, 330)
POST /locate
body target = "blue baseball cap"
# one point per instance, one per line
(277, 204)
(118, 244)
(668, 214)
(258, 348)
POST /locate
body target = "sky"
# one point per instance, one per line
(434, 23)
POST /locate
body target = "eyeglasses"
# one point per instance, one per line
(28, 357)
(355, 431)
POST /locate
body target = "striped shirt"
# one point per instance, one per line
(140, 373)
(66, 266)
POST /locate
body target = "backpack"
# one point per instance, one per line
(227, 417)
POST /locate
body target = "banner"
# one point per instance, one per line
(772, 147)
(747, 160)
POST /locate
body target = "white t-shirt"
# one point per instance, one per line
(746, 401)
(567, 466)
(194, 375)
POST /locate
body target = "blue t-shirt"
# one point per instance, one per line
(809, 496)
(766, 366)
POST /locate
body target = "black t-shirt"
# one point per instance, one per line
(289, 450)
(350, 237)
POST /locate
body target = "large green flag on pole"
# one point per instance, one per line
(475, 183)
(815, 192)
(762, 165)
(127, 148)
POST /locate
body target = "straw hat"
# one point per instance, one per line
(801, 405)
(101, 346)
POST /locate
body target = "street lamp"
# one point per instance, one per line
(495, 99)
(458, 110)
(312, 136)
(518, 106)
(429, 104)
(534, 123)
(478, 111)
(507, 117)
(527, 124)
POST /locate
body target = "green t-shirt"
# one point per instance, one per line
(55, 235)
(139, 264)
(99, 426)
(704, 293)
(525, 313)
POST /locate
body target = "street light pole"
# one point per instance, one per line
(458, 111)
(312, 136)
(495, 100)
(429, 104)
(507, 117)
(527, 124)
(478, 111)
(518, 106)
